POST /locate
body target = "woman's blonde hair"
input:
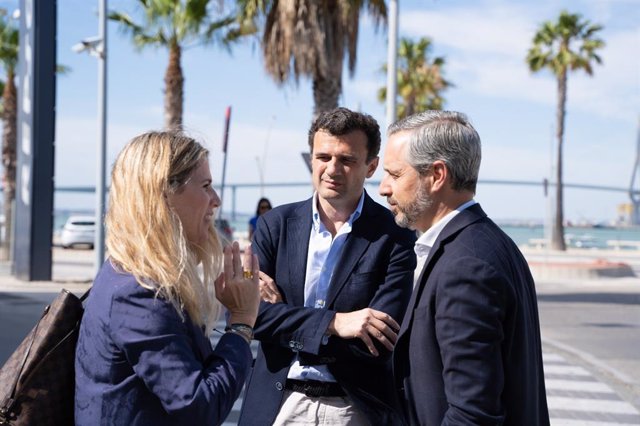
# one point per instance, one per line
(146, 238)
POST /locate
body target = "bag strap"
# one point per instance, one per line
(85, 295)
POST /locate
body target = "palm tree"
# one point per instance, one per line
(178, 25)
(568, 44)
(311, 38)
(8, 110)
(420, 80)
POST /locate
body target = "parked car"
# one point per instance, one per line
(79, 230)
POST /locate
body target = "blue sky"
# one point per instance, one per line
(484, 43)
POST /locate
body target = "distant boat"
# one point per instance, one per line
(584, 241)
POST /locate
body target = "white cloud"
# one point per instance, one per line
(486, 45)
(151, 110)
(530, 164)
(365, 89)
(76, 148)
(614, 88)
(475, 29)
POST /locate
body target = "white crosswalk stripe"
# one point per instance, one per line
(567, 370)
(582, 404)
(576, 398)
(572, 422)
(548, 357)
(553, 384)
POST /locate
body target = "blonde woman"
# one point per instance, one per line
(143, 355)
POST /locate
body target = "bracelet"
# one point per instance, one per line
(239, 333)
(241, 329)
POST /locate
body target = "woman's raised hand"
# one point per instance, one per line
(237, 288)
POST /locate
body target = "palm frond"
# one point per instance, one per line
(9, 44)
(214, 28)
(126, 21)
(552, 45)
(420, 78)
(141, 35)
(142, 39)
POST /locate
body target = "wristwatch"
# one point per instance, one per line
(242, 329)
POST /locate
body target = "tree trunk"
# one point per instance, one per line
(9, 136)
(173, 89)
(410, 106)
(557, 230)
(326, 92)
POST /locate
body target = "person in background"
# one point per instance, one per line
(469, 350)
(336, 274)
(143, 355)
(264, 205)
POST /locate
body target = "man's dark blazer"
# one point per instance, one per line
(469, 350)
(375, 270)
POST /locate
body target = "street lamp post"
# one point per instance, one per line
(102, 134)
(97, 46)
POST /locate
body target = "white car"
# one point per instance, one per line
(78, 230)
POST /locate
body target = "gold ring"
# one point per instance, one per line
(247, 274)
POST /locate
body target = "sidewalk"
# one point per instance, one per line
(582, 264)
(72, 270)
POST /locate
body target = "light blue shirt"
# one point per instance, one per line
(322, 257)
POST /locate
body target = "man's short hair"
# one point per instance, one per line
(341, 121)
(447, 136)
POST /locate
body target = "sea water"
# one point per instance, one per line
(579, 237)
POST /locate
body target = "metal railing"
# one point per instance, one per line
(235, 187)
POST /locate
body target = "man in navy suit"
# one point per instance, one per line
(336, 274)
(468, 351)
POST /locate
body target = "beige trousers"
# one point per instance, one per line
(299, 409)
